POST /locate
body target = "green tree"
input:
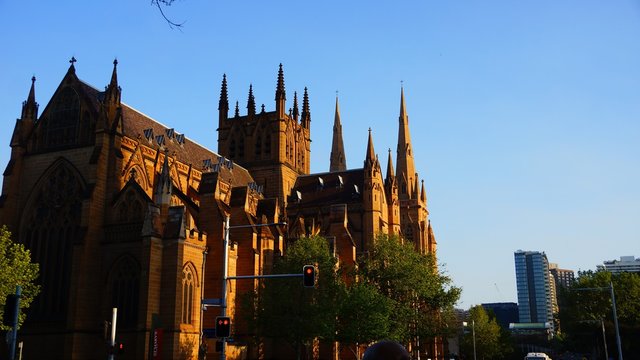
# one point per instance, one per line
(286, 310)
(16, 269)
(363, 316)
(487, 333)
(418, 291)
(581, 311)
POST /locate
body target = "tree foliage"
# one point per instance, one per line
(588, 300)
(16, 269)
(287, 310)
(418, 291)
(399, 294)
(488, 337)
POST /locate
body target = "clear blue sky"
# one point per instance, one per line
(524, 115)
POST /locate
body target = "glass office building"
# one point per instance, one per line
(536, 288)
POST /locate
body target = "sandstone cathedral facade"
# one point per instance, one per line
(122, 211)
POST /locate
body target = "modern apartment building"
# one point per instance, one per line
(625, 264)
(562, 277)
(536, 287)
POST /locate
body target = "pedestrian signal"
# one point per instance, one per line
(223, 326)
(309, 276)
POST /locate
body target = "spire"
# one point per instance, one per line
(113, 90)
(338, 159)
(305, 121)
(223, 104)
(114, 74)
(371, 154)
(280, 92)
(405, 173)
(423, 194)
(237, 112)
(281, 97)
(415, 193)
(30, 107)
(295, 105)
(251, 102)
(403, 108)
(390, 175)
(162, 194)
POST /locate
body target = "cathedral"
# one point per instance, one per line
(121, 211)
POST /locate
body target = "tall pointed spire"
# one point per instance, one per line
(237, 112)
(295, 106)
(30, 107)
(338, 161)
(223, 104)
(281, 97)
(390, 174)
(405, 172)
(423, 194)
(251, 102)
(305, 120)
(371, 153)
(114, 74)
(113, 90)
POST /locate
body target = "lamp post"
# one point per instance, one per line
(473, 331)
(615, 313)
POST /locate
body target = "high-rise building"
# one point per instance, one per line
(563, 277)
(536, 288)
(625, 264)
(506, 313)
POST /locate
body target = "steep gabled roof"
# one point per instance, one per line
(339, 187)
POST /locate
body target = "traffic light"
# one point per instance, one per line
(8, 317)
(120, 348)
(309, 276)
(223, 326)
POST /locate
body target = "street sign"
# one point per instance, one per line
(212, 302)
(209, 333)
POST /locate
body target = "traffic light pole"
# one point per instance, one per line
(14, 329)
(225, 264)
(225, 272)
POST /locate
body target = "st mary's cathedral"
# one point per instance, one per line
(121, 211)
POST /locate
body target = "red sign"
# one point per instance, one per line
(157, 344)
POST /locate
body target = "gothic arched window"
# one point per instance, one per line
(50, 226)
(60, 128)
(131, 209)
(188, 294)
(125, 287)
(267, 143)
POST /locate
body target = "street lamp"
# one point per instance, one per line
(473, 331)
(615, 313)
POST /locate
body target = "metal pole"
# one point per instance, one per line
(14, 330)
(604, 339)
(204, 261)
(473, 329)
(112, 339)
(615, 321)
(225, 265)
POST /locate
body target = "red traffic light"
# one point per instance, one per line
(309, 276)
(223, 326)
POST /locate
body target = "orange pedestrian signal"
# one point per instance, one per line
(309, 276)
(223, 326)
